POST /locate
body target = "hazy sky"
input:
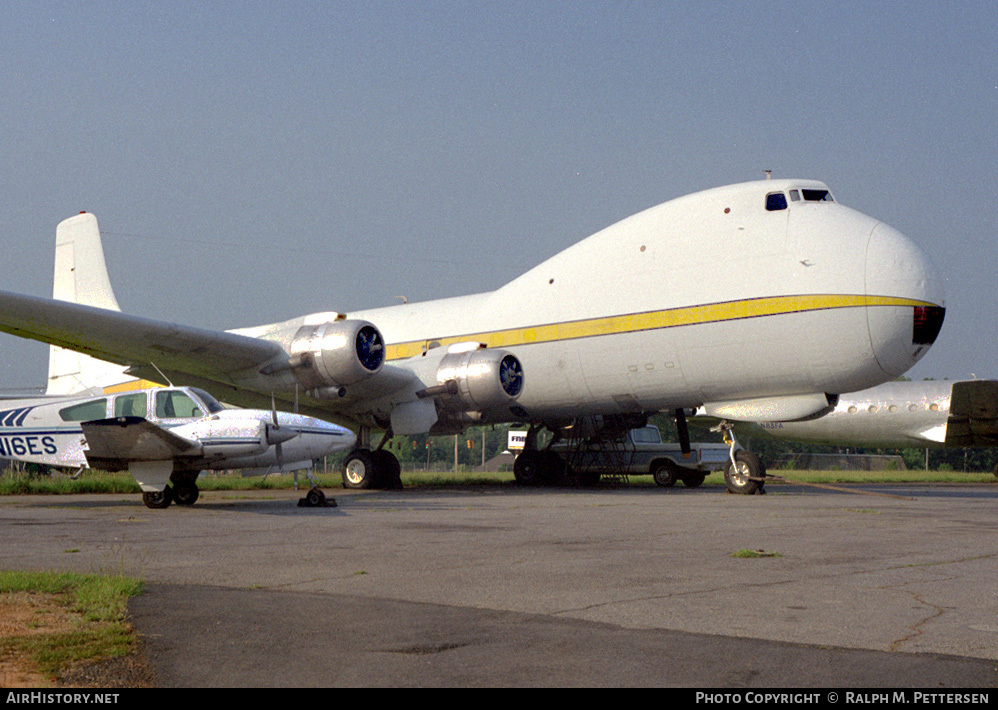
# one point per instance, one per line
(253, 161)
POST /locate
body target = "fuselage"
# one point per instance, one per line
(926, 414)
(746, 291)
(758, 298)
(891, 414)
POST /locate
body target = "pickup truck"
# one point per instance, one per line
(642, 452)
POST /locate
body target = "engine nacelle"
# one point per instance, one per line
(477, 380)
(336, 353)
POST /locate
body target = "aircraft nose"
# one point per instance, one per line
(908, 303)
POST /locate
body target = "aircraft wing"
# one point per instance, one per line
(113, 443)
(143, 344)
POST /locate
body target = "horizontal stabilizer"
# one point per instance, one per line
(113, 443)
(973, 414)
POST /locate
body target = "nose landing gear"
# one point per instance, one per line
(744, 472)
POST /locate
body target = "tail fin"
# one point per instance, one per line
(81, 277)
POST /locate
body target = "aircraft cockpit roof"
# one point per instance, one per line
(811, 193)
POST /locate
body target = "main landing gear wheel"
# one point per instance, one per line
(371, 469)
(158, 499)
(358, 470)
(388, 471)
(185, 493)
(527, 468)
(748, 476)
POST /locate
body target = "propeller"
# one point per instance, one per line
(511, 375)
(370, 348)
(277, 435)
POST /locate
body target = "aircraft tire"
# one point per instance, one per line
(185, 493)
(388, 471)
(665, 473)
(742, 480)
(158, 500)
(360, 470)
(527, 468)
(554, 470)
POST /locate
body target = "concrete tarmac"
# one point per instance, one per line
(893, 586)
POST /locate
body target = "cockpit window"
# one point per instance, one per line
(817, 195)
(776, 201)
(795, 195)
(174, 404)
(96, 409)
(210, 402)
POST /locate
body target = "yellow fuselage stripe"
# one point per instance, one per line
(653, 320)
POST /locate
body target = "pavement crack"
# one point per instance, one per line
(424, 649)
(917, 628)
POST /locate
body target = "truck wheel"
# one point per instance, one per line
(746, 477)
(693, 480)
(665, 473)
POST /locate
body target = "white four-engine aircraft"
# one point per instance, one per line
(760, 301)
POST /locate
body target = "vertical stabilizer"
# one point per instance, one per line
(81, 277)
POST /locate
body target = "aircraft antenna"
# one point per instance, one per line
(161, 374)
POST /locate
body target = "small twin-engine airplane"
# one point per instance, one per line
(164, 437)
(761, 301)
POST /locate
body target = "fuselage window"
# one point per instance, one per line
(176, 405)
(776, 201)
(817, 195)
(96, 409)
(130, 405)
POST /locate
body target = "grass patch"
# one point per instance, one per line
(912, 476)
(88, 482)
(95, 606)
